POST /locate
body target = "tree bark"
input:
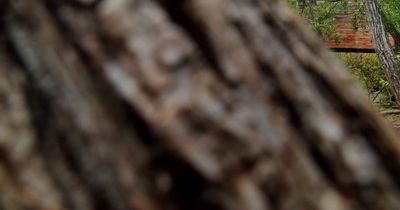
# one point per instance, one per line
(195, 104)
(387, 57)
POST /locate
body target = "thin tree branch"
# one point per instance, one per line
(393, 111)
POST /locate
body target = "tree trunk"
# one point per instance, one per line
(390, 64)
(194, 104)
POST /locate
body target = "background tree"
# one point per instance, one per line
(390, 64)
(196, 104)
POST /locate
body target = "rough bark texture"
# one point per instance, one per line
(390, 64)
(186, 104)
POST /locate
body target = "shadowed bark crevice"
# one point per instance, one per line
(180, 13)
(182, 183)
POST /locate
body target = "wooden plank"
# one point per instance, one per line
(351, 39)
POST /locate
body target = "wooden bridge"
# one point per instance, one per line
(351, 39)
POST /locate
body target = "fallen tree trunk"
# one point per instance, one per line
(195, 104)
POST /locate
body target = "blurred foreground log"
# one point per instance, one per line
(182, 104)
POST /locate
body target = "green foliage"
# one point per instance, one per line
(325, 17)
(368, 71)
(391, 17)
(322, 16)
(358, 13)
(391, 10)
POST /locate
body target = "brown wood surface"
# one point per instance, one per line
(183, 104)
(351, 39)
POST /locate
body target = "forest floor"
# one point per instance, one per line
(395, 120)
